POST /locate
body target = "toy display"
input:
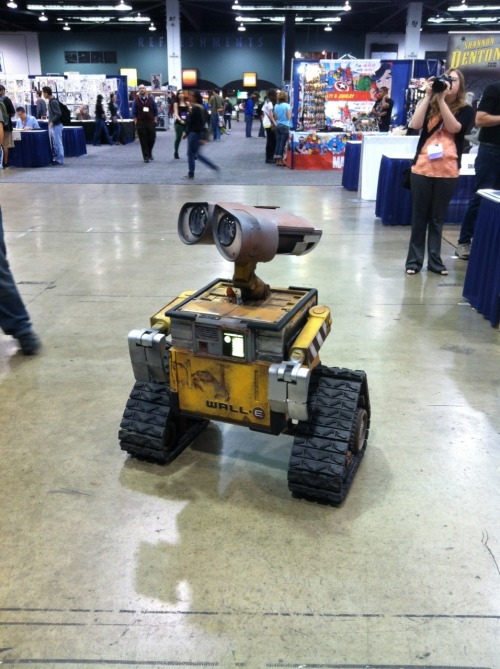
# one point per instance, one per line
(240, 352)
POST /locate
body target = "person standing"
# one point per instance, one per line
(382, 109)
(8, 142)
(249, 112)
(100, 123)
(269, 124)
(41, 107)
(487, 165)
(145, 115)
(114, 114)
(444, 118)
(196, 133)
(216, 104)
(14, 318)
(228, 113)
(55, 126)
(181, 113)
(282, 116)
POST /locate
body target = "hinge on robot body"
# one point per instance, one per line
(289, 388)
(147, 354)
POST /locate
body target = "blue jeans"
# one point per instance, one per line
(101, 127)
(214, 124)
(248, 122)
(14, 319)
(194, 150)
(282, 133)
(487, 168)
(55, 134)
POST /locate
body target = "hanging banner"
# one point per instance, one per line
(477, 56)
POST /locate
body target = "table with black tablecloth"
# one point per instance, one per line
(31, 149)
(352, 161)
(482, 280)
(127, 130)
(394, 203)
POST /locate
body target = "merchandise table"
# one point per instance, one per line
(352, 158)
(482, 280)
(394, 203)
(31, 149)
(372, 149)
(73, 140)
(318, 150)
(127, 130)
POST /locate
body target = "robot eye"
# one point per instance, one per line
(198, 220)
(226, 231)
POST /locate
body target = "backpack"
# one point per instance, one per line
(65, 114)
(4, 117)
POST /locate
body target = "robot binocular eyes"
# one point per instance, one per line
(244, 233)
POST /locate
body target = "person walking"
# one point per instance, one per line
(181, 113)
(443, 118)
(55, 126)
(216, 104)
(196, 133)
(228, 114)
(114, 114)
(145, 115)
(269, 124)
(100, 123)
(14, 318)
(487, 165)
(282, 116)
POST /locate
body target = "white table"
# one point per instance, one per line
(372, 149)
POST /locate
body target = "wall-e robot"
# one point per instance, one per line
(241, 352)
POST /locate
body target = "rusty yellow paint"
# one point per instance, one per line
(318, 316)
(235, 392)
(162, 322)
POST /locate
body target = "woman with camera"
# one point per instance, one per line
(444, 117)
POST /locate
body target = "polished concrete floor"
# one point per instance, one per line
(108, 561)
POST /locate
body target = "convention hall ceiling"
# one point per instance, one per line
(202, 16)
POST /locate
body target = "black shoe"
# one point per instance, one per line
(188, 176)
(146, 160)
(30, 343)
(151, 158)
(176, 156)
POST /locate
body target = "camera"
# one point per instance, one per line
(439, 83)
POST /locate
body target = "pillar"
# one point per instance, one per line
(174, 64)
(287, 46)
(413, 25)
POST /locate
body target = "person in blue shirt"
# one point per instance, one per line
(249, 112)
(282, 115)
(25, 121)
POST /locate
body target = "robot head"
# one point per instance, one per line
(243, 233)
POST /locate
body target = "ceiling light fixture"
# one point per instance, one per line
(475, 8)
(42, 17)
(75, 8)
(152, 27)
(12, 4)
(241, 28)
(122, 7)
(328, 28)
(347, 6)
(248, 19)
(290, 8)
(66, 26)
(328, 19)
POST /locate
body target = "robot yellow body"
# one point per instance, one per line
(244, 353)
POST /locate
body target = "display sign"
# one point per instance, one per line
(131, 74)
(250, 79)
(156, 82)
(189, 78)
(477, 55)
(319, 151)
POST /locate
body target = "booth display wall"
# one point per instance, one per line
(20, 52)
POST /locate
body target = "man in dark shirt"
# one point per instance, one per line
(8, 142)
(487, 164)
(55, 126)
(145, 115)
(383, 110)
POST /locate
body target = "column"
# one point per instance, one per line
(288, 46)
(174, 65)
(413, 25)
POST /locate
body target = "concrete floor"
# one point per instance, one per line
(108, 561)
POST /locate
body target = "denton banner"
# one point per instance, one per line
(477, 56)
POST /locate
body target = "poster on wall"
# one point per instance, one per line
(477, 56)
(156, 82)
(332, 94)
(319, 151)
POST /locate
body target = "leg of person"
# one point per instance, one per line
(142, 133)
(281, 137)
(269, 146)
(58, 148)
(205, 160)
(14, 318)
(106, 133)
(179, 130)
(248, 124)
(151, 138)
(97, 134)
(192, 150)
(421, 191)
(261, 130)
(443, 190)
(487, 169)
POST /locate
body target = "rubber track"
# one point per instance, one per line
(145, 420)
(318, 463)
